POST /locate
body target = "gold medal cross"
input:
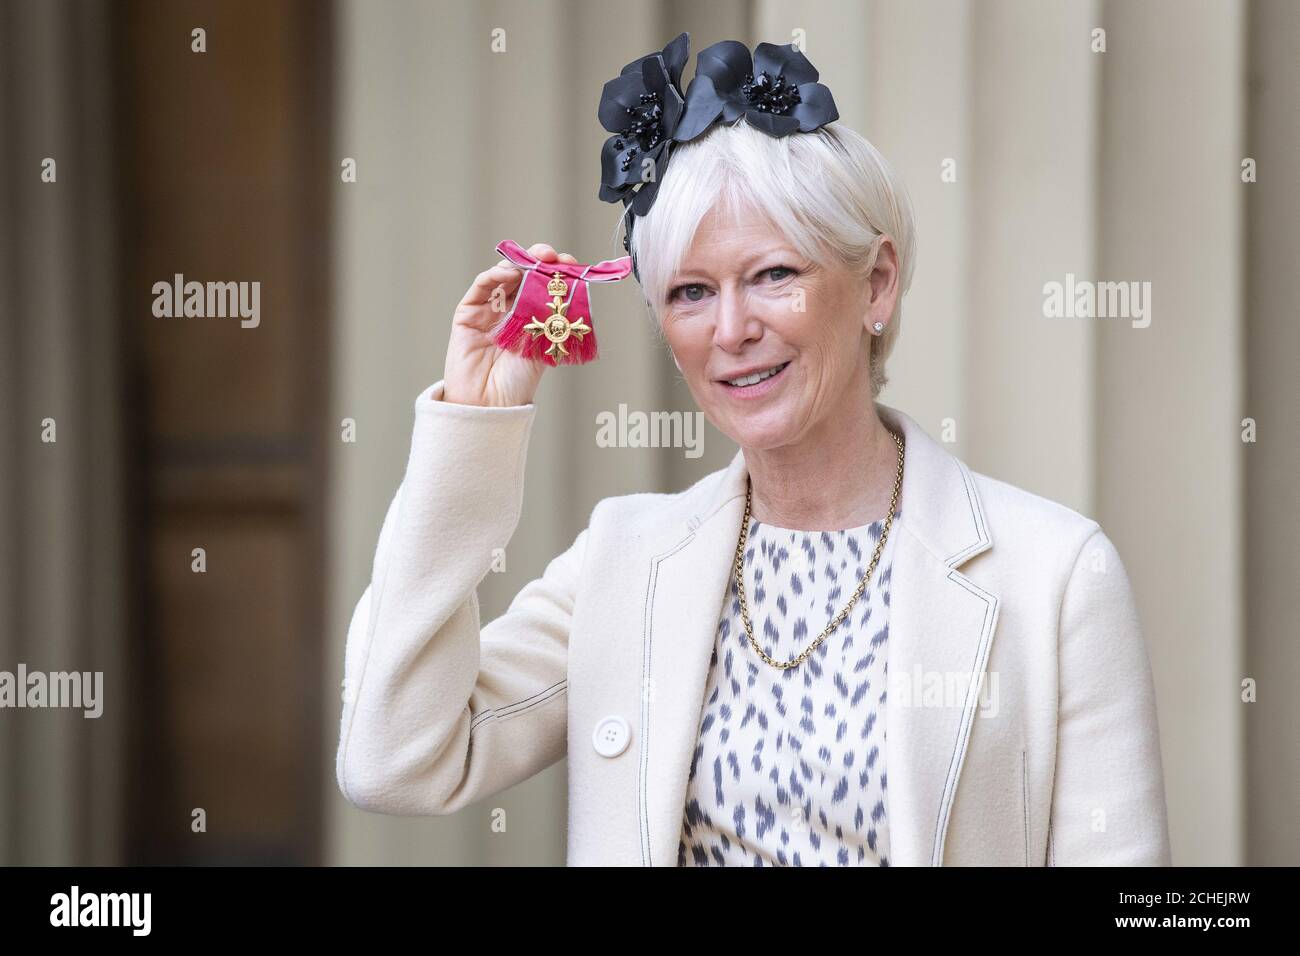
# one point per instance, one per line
(557, 327)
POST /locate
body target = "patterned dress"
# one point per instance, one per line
(789, 769)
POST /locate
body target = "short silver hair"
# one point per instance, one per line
(829, 192)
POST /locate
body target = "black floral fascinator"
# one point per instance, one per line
(641, 107)
(775, 90)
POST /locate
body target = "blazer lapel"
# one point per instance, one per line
(940, 626)
(686, 585)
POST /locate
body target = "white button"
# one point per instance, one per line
(611, 736)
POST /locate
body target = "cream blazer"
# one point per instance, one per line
(1021, 728)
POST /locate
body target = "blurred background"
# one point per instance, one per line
(361, 160)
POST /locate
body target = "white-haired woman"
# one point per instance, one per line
(845, 648)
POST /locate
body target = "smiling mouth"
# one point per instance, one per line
(754, 379)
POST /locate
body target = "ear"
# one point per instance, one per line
(882, 284)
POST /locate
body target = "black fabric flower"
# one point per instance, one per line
(641, 107)
(776, 91)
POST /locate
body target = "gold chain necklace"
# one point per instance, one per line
(862, 585)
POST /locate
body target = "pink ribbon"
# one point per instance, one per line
(534, 304)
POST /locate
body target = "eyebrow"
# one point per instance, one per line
(683, 272)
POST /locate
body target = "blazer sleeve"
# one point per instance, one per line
(438, 712)
(1108, 799)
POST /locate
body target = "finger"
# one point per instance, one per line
(565, 257)
(500, 275)
(543, 251)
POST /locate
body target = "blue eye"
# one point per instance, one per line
(783, 273)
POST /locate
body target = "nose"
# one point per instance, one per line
(735, 325)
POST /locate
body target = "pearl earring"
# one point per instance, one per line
(878, 327)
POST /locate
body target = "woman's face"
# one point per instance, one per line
(745, 302)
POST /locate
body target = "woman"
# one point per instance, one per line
(714, 662)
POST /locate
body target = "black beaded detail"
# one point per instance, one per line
(646, 128)
(770, 95)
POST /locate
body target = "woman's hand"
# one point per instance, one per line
(478, 371)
